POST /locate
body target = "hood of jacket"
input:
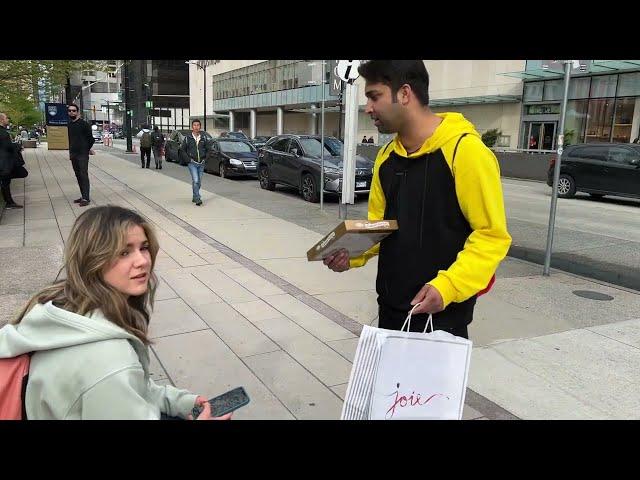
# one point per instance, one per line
(48, 327)
(452, 126)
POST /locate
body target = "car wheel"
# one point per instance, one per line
(596, 195)
(566, 186)
(309, 189)
(265, 180)
(223, 170)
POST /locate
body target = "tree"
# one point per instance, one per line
(490, 137)
(27, 76)
(568, 136)
(21, 111)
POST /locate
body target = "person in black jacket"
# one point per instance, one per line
(8, 154)
(157, 142)
(197, 148)
(80, 142)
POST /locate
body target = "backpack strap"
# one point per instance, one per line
(493, 277)
(387, 146)
(455, 150)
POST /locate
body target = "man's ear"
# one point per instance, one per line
(403, 95)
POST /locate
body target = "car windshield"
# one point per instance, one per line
(312, 147)
(236, 147)
(237, 135)
(335, 145)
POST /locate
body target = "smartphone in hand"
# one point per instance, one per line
(225, 403)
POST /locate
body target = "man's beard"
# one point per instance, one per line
(383, 128)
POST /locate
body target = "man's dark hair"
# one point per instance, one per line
(195, 120)
(74, 105)
(395, 73)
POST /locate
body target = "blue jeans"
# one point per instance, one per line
(196, 172)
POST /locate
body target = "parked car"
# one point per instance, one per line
(239, 135)
(232, 157)
(260, 141)
(173, 142)
(598, 169)
(294, 160)
(97, 136)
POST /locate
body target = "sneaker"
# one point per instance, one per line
(199, 202)
(83, 203)
(77, 200)
(13, 205)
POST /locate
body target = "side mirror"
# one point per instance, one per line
(635, 162)
(295, 152)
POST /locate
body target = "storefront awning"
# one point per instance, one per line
(482, 99)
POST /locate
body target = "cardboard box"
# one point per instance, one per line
(357, 236)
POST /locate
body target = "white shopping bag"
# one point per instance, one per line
(398, 375)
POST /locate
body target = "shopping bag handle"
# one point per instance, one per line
(408, 321)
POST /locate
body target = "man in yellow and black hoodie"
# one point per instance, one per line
(442, 185)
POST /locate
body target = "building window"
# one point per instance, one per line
(575, 121)
(553, 90)
(603, 86)
(533, 91)
(579, 87)
(623, 119)
(600, 120)
(629, 84)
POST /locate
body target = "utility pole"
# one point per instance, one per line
(127, 112)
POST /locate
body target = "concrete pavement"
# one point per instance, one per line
(240, 305)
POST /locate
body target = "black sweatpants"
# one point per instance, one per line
(157, 156)
(80, 163)
(145, 152)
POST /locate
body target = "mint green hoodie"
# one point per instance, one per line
(85, 367)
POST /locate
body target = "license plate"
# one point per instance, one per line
(361, 184)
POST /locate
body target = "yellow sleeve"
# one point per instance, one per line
(377, 204)
(479, 191)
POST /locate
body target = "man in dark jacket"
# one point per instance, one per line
(8, 154)
(196, 148)
(157, 142)
(80, 143)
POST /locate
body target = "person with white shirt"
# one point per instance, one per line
(196, 147)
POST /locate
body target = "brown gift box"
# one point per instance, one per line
(357, 236)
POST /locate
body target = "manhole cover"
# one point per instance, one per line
(591, 295)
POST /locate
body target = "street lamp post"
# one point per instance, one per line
(127, 112)
(203, 64)
(556, 171)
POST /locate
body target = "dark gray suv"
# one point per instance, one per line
(294, 160)
(598, 169)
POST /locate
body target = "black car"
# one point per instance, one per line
(294, 160)
(260, 141)
(174, 140)
(232, 157)
(598, 169)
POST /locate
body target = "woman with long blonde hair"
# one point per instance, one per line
(88, 333)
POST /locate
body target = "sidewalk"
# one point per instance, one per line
(240, 305)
